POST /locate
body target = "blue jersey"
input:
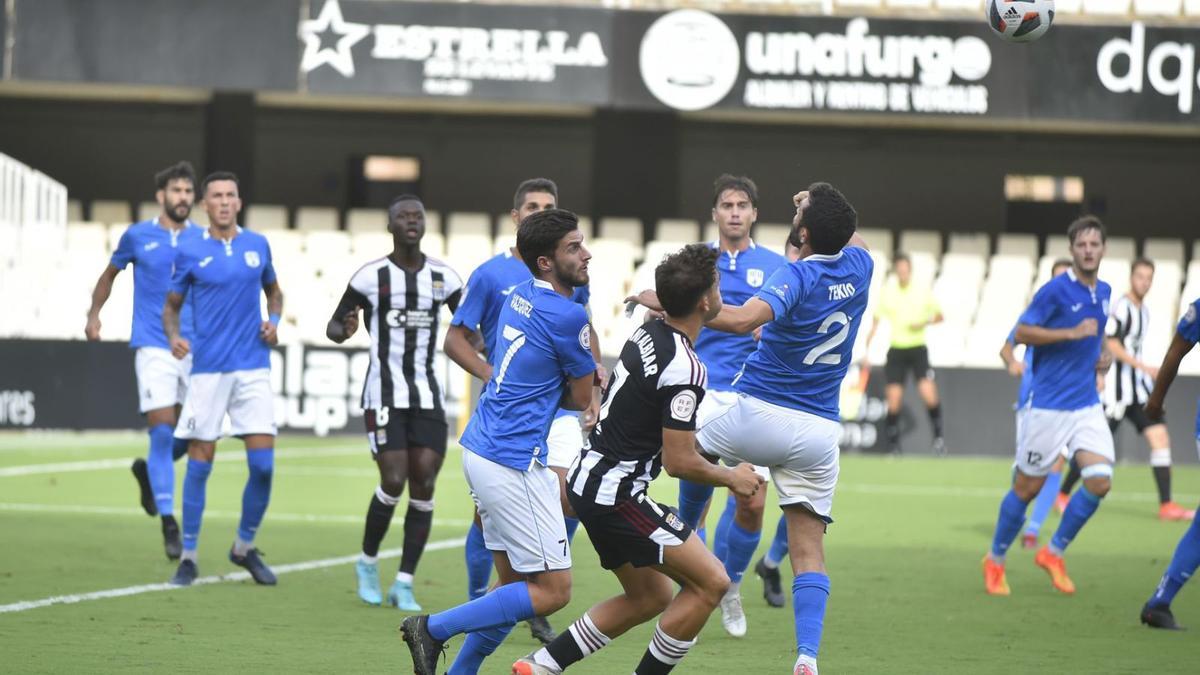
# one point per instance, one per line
(804, 353)
(225, 280)
(742, 274)
(151, 248)
(544, 340)
(1064, 373)
(1189, 329)
(1025, 391)
(485, 293)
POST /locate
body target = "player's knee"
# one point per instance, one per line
(553, 592)
(391, 485)
(1097, 478)
(654, 602)
(713, 587)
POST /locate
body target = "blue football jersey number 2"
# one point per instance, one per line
(820, 353)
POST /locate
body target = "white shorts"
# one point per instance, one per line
(1043, 434)
(521, 513)
(800, 449)
(564, 442)
(716, 402)
(245, 395)
(1022, 414)
(162, 379)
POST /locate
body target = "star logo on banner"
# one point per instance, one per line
(316, 32)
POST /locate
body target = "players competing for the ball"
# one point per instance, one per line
(543, 362)
(1128, 383)
(224, 271)
(744, 267)
(786, 415)
(647, 423)
(162, 380)
(486, 292)
(1157, 611)
(1062, 324)
(400, 295)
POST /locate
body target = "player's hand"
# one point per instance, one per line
(647, 299)
(1154, 410)
(590, 416)
(1016, 368)
(180, 348)
(1085, 329)
(1152, 371)
(745, 483)
(269, 333)
(652, 315)
(92, 329)
(757, 334)
(349, 322)
(1104, 362)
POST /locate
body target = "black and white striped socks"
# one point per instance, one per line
(663, 653)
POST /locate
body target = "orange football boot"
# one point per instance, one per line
(994, 581)
(1056, 568)
(1173, 511)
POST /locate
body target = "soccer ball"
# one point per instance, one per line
(1020, 20)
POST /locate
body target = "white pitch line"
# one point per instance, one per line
(124, 462)
(988, 493)
(27, 605)
(91, 510)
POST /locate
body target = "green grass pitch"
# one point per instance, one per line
(904, 558)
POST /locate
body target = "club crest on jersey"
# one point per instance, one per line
(151, 246)
(754, 277)
(251, 258)
(439, 290)
(1190, 316)
(674, 521)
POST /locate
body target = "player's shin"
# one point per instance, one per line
(1183, 566)
(810, 593)
(417, 522)
(504, 606)
(1008, 524)
(161, 468)
(580, 640)
(779, 545)
(692, 498)
(477, 647)
(1043, 503)
(741, 545)
(1080, 509)
(720, 544)
(179, 448)
(479, 563)
(664, 653)
(255, 497)
(1160, 466)
(195, 484)
(379, 518)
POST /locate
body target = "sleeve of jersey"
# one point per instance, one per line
(124, 253)
(782, 291)
(268, 273)
(475, 294)
(573, 342)
(679, 406)
(1012, 336)
(1189, 324)
(181, 279)
(1116, 326)
(1040, 308)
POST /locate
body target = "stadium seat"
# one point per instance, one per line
(473, 224)
(1106, 7)
(1013, 243)
(676, 230)
(1191, 7)
(772, 235)
(74, 211)
(326, 245)
(854, 5)
(111, 211)
(504, 242)
(1068, 6)
(625, 229)
(921, 241)
(148, 210)
(465, 252)
(434, 244)
(959, 5)
(711, 232)
(585, 226)
(316, 218)
(1163, 250)
(370, 220)
(1195, 251)
(1058, 246)
(263, 217)
(879, 240)
(1115, 271)
(908, 4)
(368, 245)
(1157, 7)
(286, 246)
(1120, 247)
(87, 237)
(199, 216)
(975, 243)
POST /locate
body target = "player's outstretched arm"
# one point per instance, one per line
(1011, 363)
(744, 319)
(1180, 346)
(578, 394)
(681, 460)
(344, 322)
(461, 349)
(269, 330)
(100, 295)
(1038, 336)
(170, 318)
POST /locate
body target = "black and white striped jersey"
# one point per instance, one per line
(1123, 384)
(401, 310)
(657, 383)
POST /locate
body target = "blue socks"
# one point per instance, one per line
(1081, 507)
(477, 647)
(161, 468)
(194, 486)
(1183, 566)
(779, 545)
(741, 547)
(179, 448)
(1008, 525)
(692, 498)
(721, 533)
(504, 606)
(479, 563)
(1044, 502)
(572, 525)
(810, 592)
(703, 534)
(257, 494)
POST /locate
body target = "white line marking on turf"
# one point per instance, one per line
(987, 493)
(124, 462)
(90, 510)
(27, 605)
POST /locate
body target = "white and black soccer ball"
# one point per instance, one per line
(1020, 20)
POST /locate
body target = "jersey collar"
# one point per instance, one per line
(818, 257)
(542, 283)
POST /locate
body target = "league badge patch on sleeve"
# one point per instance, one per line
(585, 337)
(683, 406)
